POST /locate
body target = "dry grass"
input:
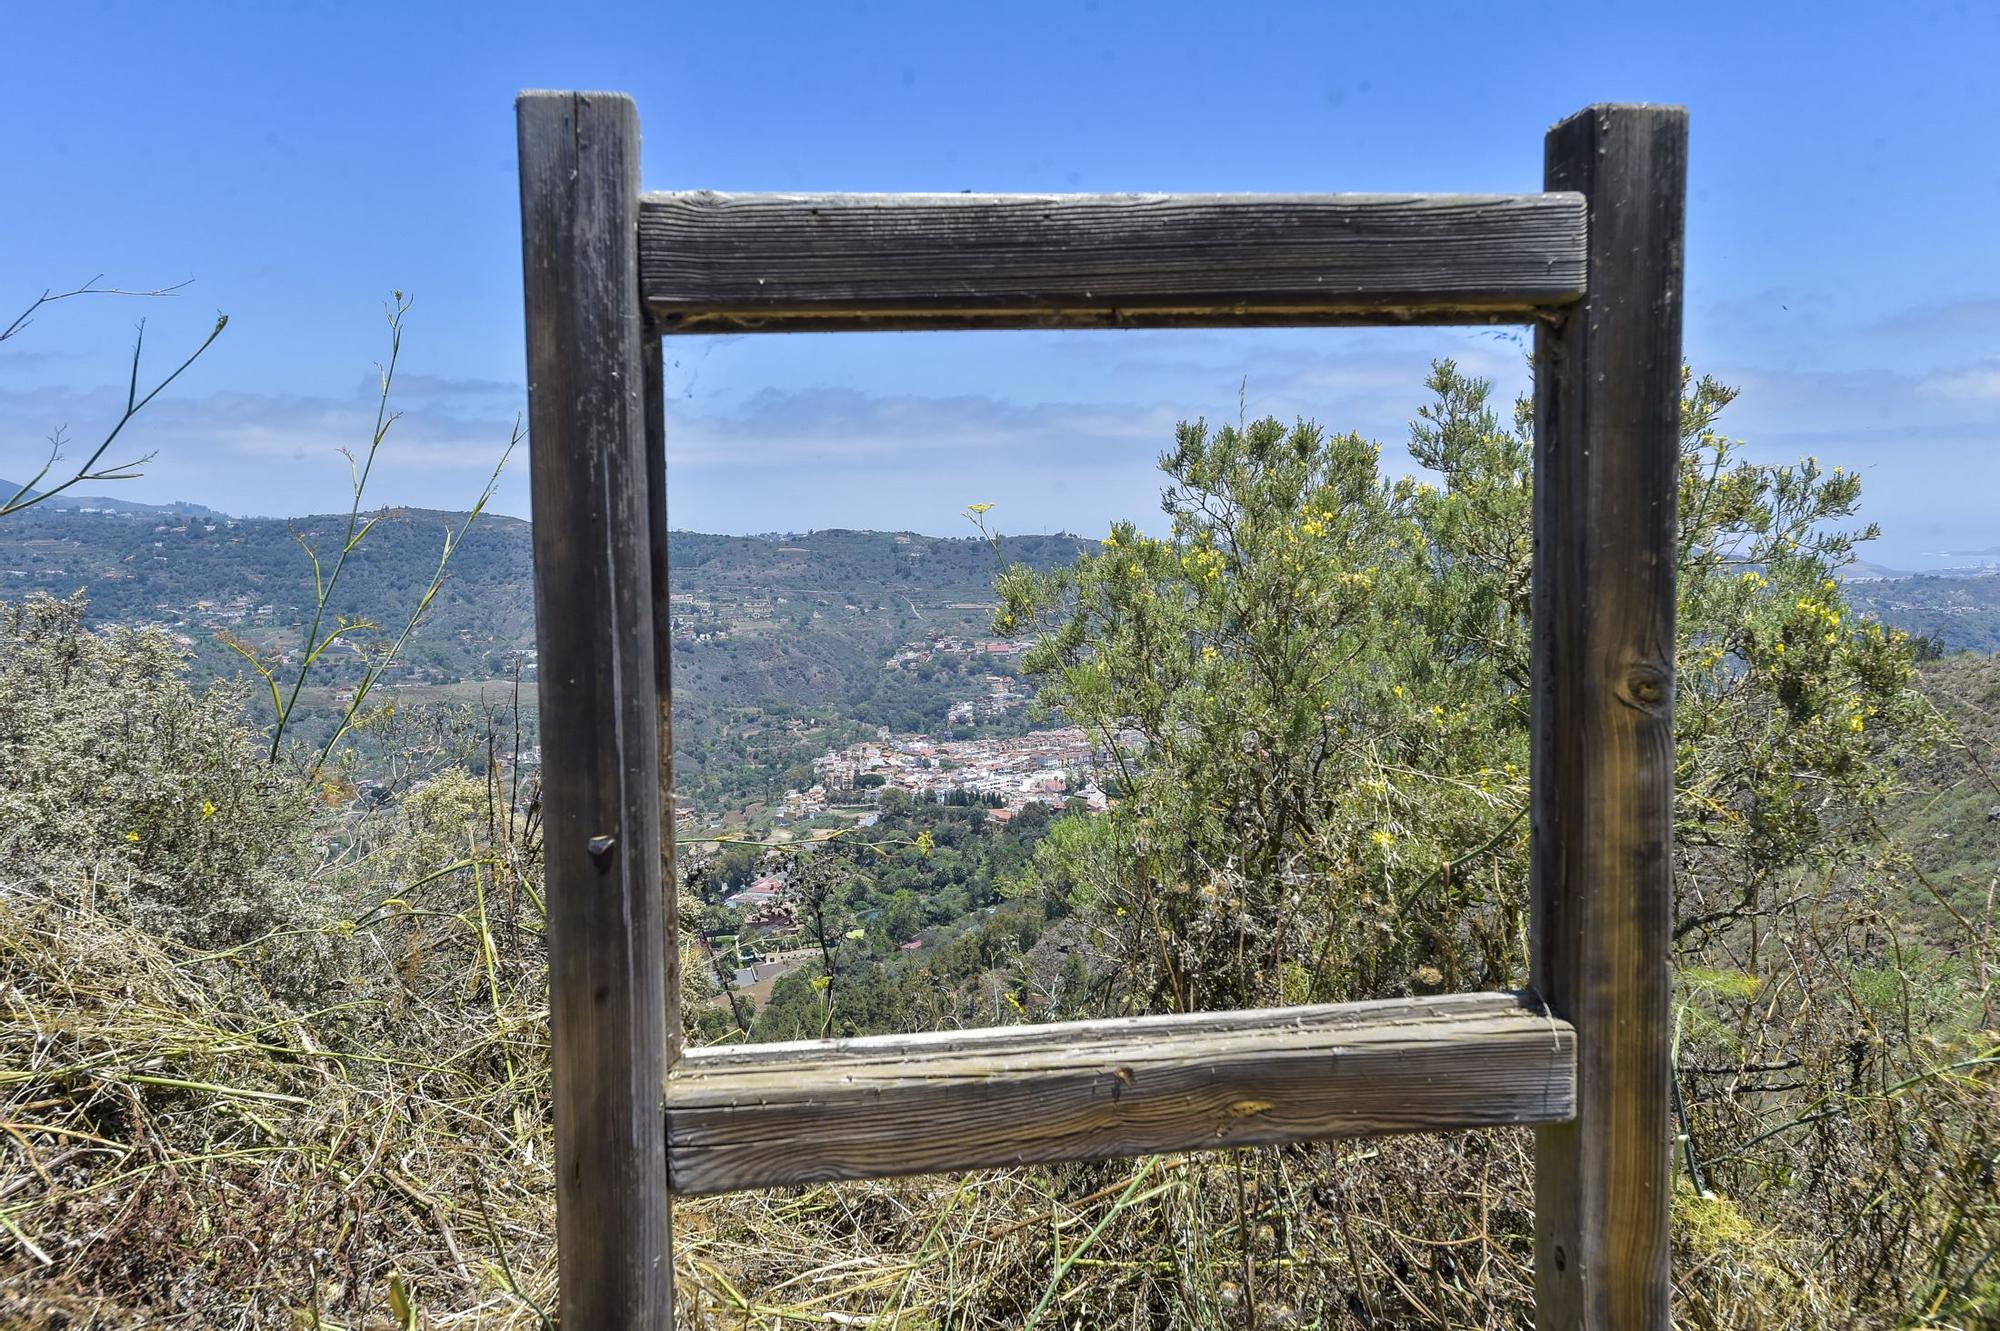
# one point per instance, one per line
(178, 1149)
(1265, 1238)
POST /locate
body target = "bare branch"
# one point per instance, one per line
(26, 496)
(90, 288)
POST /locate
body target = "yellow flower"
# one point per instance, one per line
(1778, 648)
(1383, 838)
(131, 836)
(1857, 725)
(208, 808)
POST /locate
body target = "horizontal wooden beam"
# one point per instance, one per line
(789, 262)
(757, 1116)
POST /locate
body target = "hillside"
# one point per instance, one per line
(780, 643)
(797, 621)
(204, 575)
(1950, 825)
(67, 501)
(1960, 612)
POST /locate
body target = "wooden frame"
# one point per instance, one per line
(1594, 262)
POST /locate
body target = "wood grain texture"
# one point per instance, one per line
(773, 1115)
(773, 262)
(1606, 483)
(600, 733)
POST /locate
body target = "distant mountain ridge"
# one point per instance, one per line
(805, 620)
(74, 503)
(776, 620)
(773, 639)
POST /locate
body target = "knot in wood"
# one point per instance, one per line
(1646, 687)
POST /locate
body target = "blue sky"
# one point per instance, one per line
(299, 162)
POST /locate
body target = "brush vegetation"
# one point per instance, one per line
(275, 1057)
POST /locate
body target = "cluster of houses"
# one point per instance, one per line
(1003, 694)
(1045, 766)
(698, 620)
(937, 643)
(799, 804)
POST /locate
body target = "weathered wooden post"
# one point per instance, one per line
(1607, 435)
(609, 893)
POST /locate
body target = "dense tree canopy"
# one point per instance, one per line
(1317, 683)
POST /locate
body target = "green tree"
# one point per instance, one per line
(1314, 688)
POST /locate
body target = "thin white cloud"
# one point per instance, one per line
(259, 453)
(744, 456)
(1980, 381)
(844, 427)
(1955, 318)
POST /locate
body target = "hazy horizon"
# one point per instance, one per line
(7, 485)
